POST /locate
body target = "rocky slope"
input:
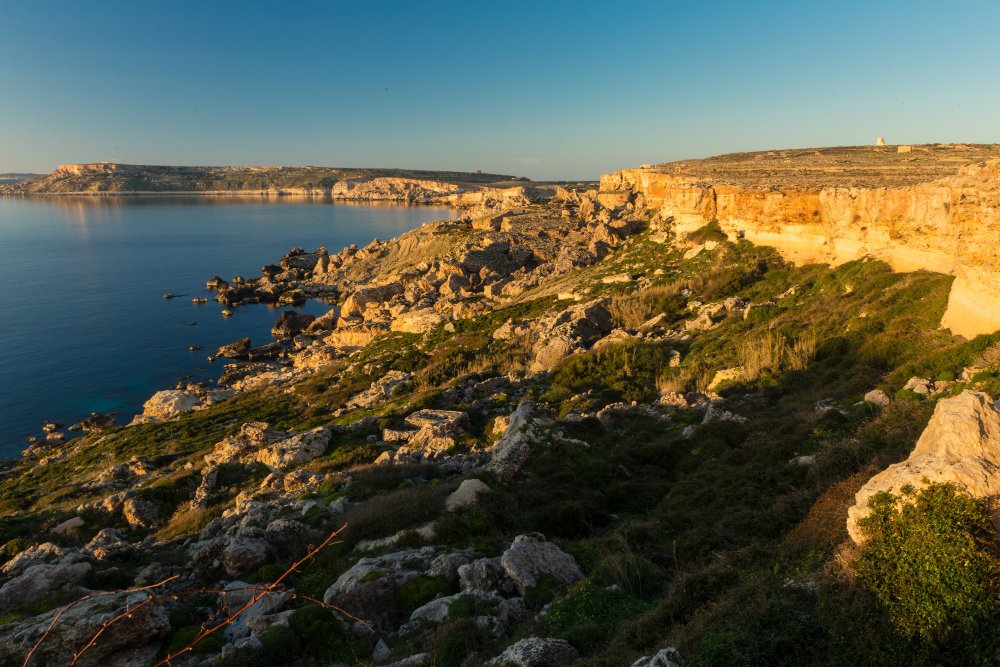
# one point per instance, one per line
(395, 185)
(930, 207)
(570, 431)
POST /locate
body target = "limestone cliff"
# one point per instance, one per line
(938, 211)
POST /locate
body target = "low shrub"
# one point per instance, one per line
(420, 590)
(931, 559)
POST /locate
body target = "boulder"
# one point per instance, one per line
(536, 652)
(358, 302)
(488, 575)
(513, 448)
(69, 526)
(368, 588)
(417, 321)
(237, 595)
(325, 322)
(380, 390)
(878, 398)
(108, 544)
(530, 556)
(438, 431)
(575, 328)
(140, 513)
(47, 552)
(920, 386)
(726, 375)
(40, 580)
(245, 444)
(295, 450)
(167, 404)
(238, 349)
(291, 323)
(95, 423)
(495, 615)
(961, 445)
(465, 495)
(131, 641)
(244, 554)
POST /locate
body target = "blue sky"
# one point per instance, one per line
(557, 90)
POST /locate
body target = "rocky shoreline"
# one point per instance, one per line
(534, 435)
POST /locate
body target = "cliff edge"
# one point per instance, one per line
(933, 207)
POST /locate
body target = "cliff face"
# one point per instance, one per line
(950, 225)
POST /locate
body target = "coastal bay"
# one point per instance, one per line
(85, 327)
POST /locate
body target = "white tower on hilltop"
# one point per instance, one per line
(880, 141)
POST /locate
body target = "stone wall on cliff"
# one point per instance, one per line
(949, 225)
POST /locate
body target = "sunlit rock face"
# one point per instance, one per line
(810, 212)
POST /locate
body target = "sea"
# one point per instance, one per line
(84, 326)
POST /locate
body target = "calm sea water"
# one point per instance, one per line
(84, 327)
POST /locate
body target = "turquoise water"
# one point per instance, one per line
(83, 325)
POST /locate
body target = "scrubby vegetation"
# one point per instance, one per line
(724, 537)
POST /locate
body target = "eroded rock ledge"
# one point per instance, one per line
(921, 207)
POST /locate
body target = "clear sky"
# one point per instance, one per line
(558, 90)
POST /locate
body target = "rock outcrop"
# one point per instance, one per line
(961, 445)
(536, 652)
(921, 210)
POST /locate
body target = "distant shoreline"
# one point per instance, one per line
(248, 194)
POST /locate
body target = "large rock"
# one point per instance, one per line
(512, 450)
(357, 303)
(380, 390)
(574, 329)
(238, 349)
(960, 445)
(368, 588)
(108, 544)
(295, 450)
(487, 575)
(530, 557)
(438, 431)
(416, 321)
(465, 494)
(140, 513)
(237, 595)
(244, 554)
(132, 641)
(536, 652)
(245, 444)
(42, 579)
(291, 323)
(47, 552)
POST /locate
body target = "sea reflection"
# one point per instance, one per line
(82, 279)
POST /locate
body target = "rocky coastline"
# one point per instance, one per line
(534, 435)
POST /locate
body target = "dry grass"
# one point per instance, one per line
(392, 512)
(189, 520)
(632, 310)
(763, 354)
(682, 380)
(516, 357)
(802, 352)
(772, 353)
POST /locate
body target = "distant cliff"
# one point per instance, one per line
(920, 207)
(108, 178)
